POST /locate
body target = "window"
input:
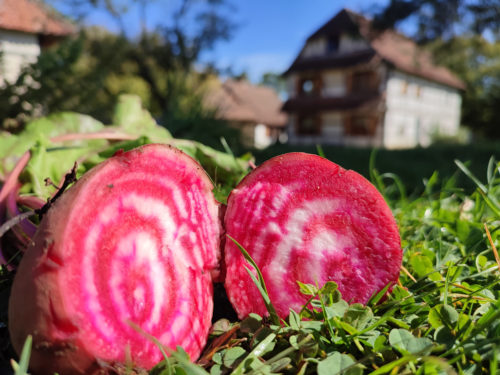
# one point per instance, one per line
(364, 82)
(361, 125)
(307, 87)
(333, 44)
(310, 86)
(308, 125)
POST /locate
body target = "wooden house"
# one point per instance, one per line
(353, 85)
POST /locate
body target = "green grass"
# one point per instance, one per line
(442, 318)
(412, 166)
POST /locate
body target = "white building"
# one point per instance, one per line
(351, 85)
(26, 27)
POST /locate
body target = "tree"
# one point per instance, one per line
(443, 19)
(86, 74)
(276, 81)
(463, 35)
(477, 62)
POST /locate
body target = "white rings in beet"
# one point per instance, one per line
(132, 243)
(304, 218)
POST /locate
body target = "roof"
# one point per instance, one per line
(395, 49)
(332, 61)
(241, 101)
(32, 16)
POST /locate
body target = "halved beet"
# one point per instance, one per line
(304, 218)
(134, 240)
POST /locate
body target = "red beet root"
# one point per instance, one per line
(302, 217)
(134, 240)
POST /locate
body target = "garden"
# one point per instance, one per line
(440, 315)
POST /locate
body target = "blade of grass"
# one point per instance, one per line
(399, 184)
(374, 175)
(255, 353)
(320, 151)
(21, 368)
(188, 365)
(493, 247)
(261, 285)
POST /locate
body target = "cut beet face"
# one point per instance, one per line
(304, 218)
(131, 244)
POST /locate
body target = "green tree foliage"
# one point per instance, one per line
(442, 18)
(477, 62)
(274, 80)
(87, 74)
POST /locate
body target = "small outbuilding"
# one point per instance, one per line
(26, 27)
(255, 110)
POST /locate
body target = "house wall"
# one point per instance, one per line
(332, 132)
(349, 44)
(17, 50)
(256, 135)
(315, 47)
(417, 110)
(333, 83)
(247, 132)
(291, 86)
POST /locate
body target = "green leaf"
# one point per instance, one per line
(405, 342)
(233, 356)
(379, 344)
(337, 309)
(330, 287)
(133, 119)
(216, 370)
(294, 320)
(421, 264)
(250, 324)
(443, 335)
(338, 363)
(443, 315)
(221, 326)
(217, 358)
(307, 289)
(358, 316)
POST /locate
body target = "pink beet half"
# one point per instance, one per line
(304, 218)
(133, 241)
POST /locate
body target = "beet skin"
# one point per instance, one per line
(133, 242)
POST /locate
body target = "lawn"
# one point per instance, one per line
(442, 317)
(412, 166)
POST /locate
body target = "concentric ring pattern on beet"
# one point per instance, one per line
(304, 218)
(131, 244)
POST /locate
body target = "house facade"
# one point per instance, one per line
(254, 110)
(351, 85)
(26, 27)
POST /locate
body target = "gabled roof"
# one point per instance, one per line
(395, 49)
(243, 102)
(32, 16)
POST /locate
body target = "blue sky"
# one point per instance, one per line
(269, 35)
(272, 32)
